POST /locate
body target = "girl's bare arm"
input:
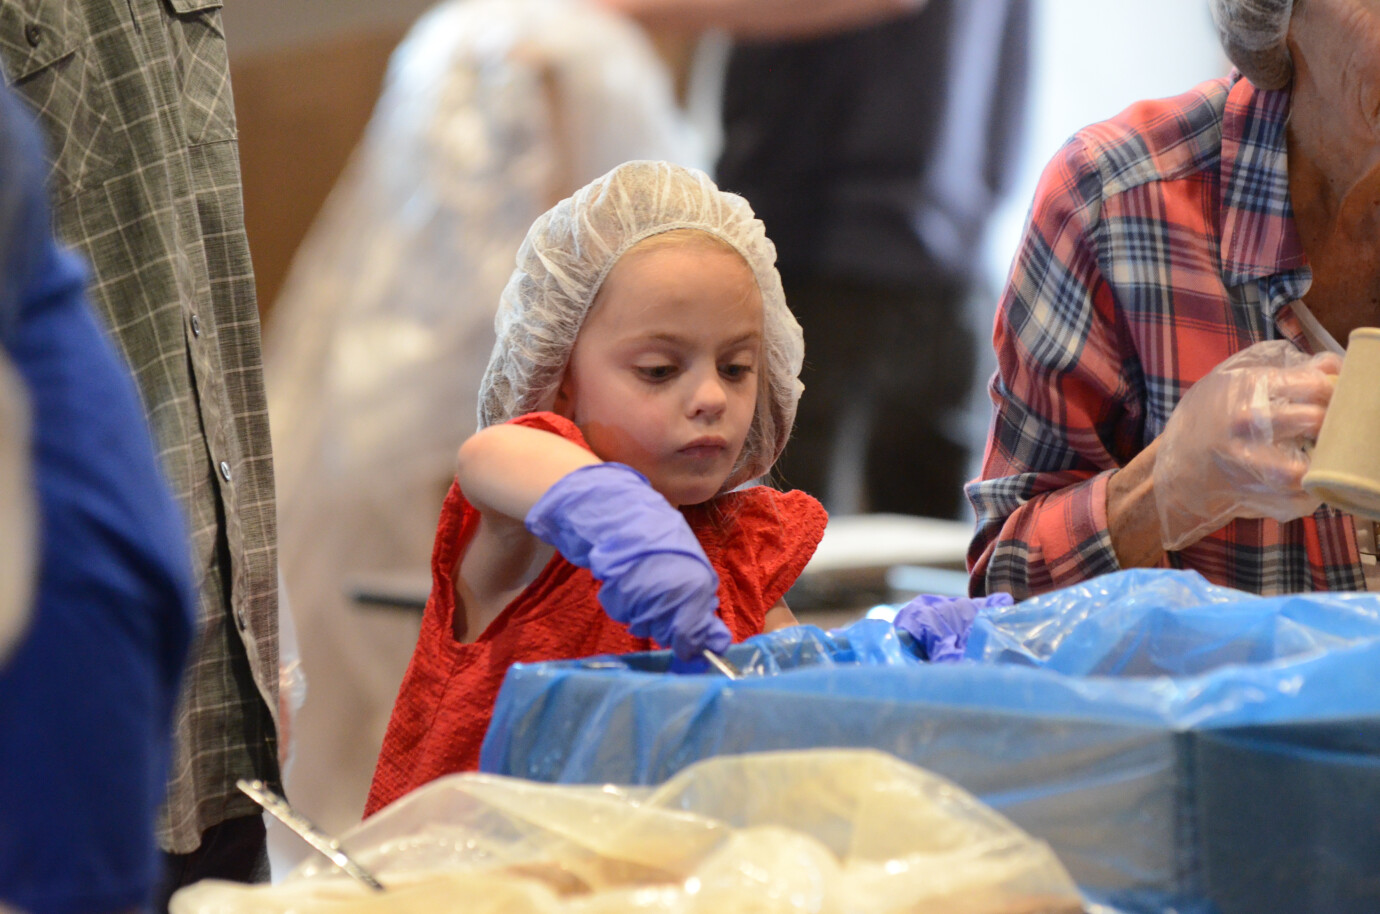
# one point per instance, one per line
(505, 469)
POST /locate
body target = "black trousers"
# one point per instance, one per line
(888, 373)
(235, 850)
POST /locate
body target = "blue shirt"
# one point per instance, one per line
(86, 700)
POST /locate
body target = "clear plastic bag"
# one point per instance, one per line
(829, 830)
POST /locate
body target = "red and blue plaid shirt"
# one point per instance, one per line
(1160, 242)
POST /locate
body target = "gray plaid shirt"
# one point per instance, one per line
(134, 99)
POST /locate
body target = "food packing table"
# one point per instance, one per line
(1181, 747)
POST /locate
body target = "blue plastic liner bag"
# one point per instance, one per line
(1182, 747)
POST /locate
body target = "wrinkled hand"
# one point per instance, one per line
(1237, 444)
(655, 577)
(940, 625)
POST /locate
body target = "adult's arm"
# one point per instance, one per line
(1054, 505)
(763, 19)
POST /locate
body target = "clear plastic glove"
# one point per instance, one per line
(655, 578)
(1237, 444)
(940, 625)
(292, 680)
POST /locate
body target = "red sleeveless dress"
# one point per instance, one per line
(757, 539)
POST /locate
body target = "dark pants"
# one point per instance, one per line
(888, 373)
(236, 850)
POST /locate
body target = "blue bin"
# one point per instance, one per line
(1182, 747)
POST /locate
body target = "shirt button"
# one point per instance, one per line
(33, 34)
(241, 620)
(225, 470)
(196, 325)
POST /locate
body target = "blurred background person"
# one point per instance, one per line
(96, 601)
(492, 110)
(874, 139)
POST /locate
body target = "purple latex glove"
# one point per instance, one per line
(940, 625)
(655, 577)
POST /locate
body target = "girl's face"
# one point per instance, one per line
(664, 373)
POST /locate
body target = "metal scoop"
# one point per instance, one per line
(722, 665)
(279, 808)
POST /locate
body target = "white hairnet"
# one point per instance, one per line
(1252, 33)
(568, 252)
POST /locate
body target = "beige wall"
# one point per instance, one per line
(256, 26)
(306, 74)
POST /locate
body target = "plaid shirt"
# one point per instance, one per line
(134, 99)
(1159, 243)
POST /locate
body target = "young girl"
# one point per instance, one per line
(646, 368)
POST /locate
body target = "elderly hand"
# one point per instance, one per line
(940, 625)
(1237, 444)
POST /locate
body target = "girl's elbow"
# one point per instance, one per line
(478, 450)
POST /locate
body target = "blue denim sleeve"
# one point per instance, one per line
(87, 699)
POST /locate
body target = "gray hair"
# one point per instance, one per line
(1253, 33)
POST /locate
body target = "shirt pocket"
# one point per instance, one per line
(46, 56)
(197, 43)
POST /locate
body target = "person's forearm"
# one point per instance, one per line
(1034, 538)
(762, 18)
(1133, 519)
(508, 468)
